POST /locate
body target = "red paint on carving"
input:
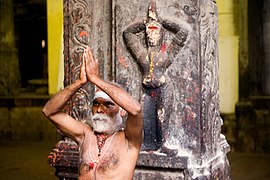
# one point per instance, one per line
(163, 47)
(152, 27)
(190, 100)
(123, 62)
(153, 94)
(83, 33)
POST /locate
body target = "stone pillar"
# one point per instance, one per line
(252, 110)
(186, 81)
(261, 103)
(86, 22)
(266, 46)
(192, 77)
(244, 51)
(9, 63)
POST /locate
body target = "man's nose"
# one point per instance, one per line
(100, 109)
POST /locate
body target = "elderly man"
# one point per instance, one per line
(106, 150)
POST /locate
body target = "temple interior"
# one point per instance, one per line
(35, 36)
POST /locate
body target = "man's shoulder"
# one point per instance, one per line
(87, 131)
(87, 127)
(131, 148)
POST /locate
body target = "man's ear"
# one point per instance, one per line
(122, 112)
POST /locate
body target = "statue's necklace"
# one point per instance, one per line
(151, 68)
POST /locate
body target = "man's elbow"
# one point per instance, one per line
(137, 111)
(46, 112)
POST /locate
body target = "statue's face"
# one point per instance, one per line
(153, 32)
(106, 116)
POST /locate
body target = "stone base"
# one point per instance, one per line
(143, 174)
(159, 166)
(159, 160)
(65, 159)
(253, 125)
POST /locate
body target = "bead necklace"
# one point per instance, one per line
(94, 160)
(101, 139)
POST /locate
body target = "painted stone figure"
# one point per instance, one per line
(154, 58)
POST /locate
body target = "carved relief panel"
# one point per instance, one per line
(170, 91)
(176, 80)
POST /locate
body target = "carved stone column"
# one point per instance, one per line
(86, 22)
(194, 119)
(188, 85)
(253, 109)
(266, 46)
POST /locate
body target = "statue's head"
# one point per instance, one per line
(154, 31)
(107, 116)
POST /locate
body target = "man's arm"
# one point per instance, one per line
(53, 109)
(134, 123)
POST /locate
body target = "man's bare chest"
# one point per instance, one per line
(100, 155)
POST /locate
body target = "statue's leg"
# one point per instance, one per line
(149, 123)
(164, 112)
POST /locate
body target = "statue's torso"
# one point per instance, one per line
(154, 66)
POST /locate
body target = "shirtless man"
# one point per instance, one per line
(106, 150)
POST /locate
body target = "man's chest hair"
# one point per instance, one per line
(109, 162)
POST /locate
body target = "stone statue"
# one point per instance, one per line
(154, 58)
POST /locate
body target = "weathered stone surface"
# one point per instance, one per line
(65, 158)
(167, 174)
(162, 161)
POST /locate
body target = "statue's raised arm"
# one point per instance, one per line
(133, 42)
(181, 35)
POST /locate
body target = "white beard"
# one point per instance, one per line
(103, 123)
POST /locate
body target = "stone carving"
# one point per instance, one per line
(154, 59)
(190, 68)
(210, 95)
(78, 34)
